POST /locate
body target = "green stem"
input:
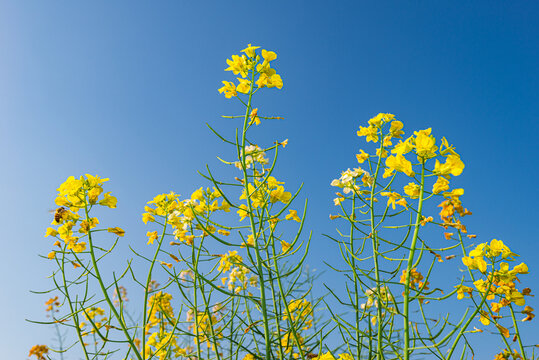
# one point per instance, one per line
(73, 312)
(356, 288)
(375, 244)
(104, 289)
(517, 333)
(260, 274)
(406, 308)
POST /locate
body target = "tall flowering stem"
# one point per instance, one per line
(391, 213)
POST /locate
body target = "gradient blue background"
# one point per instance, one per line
(124, 89)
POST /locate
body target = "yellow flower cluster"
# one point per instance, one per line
(475, 258)
(270, 190)
(261, 193)
(416, 280)
(508, 355)
(348, 181)
(329, 356)
(300, 311)
(253, 154)
(51, 304)
(77, 193)
(160, 310)
(39, 351)
(97, 317)
(162, 345)
(237, 278)
(288, 342)
(180, 214)
(248, 62)
(73, 195)
(205, 322)
(394, 198)
(229, 260)
(453, 205)
(384, 295)
(499, 283)
(422, 142)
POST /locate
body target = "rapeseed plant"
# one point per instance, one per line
(235, 285)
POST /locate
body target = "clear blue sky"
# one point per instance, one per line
(123, 89)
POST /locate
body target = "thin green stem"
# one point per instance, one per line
(406, 305)
(517, 333)
(104, 289)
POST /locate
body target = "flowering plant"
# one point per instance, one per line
(232, 257)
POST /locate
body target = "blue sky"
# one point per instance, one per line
(124, 90)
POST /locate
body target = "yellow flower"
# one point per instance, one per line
(242, 212)
(453, 165)
(109, 201)
(370, 132)
(198, 195)
(442, 184)
(403, 147)
(70, 187)
(475, 263)
(225, 206)
(257, 196)
(392, 198)
(326, 356)
(462, 290)
(244, 86)
(268, 55)
(399, 163)
(362, 156)
(484, 318)
(425, 144)
(79, 247)
(396, 129)
(496, 307)
(152, 235)
(169, 265)
(229, 89)
(402, 202)
(383, 153)
(116, 230)
(528, 311)
(228, 260)
(51, 255)
(250, 241)
(250, 50)
(51, 232)
(254, 117)
(445, 148)
(293, 214)
(94, 181)
(65, 231)
(268, 77)
(93, 194)
(39, 351)
(497, 247)
(238, 65)
(147, 217)
(285, 246)
(412, 190)
(522, 268)
(85, 225)
(280, 195)
(223, 232)
(379, 119)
